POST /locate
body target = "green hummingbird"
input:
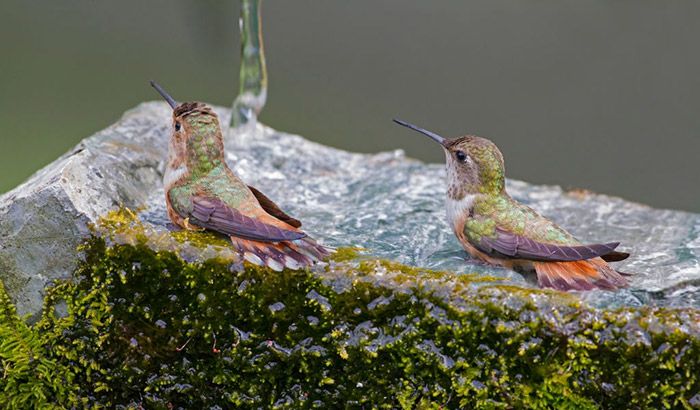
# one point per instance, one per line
(202, 192)
(493, 227)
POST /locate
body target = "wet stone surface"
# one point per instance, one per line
(388, 204)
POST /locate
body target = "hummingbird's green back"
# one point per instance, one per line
(491, 211)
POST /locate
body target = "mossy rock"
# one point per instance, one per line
(140, 327)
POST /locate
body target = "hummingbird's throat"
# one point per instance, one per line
(462, 178)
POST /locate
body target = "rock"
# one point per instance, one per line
(43, 220)
(391, 205)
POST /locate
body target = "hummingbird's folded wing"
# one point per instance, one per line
(272, 208)
(511, 245)
(214, 214)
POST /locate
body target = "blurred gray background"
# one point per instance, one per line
(603, 95)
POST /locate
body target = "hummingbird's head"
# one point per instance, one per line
(474, 164)
(196, 140)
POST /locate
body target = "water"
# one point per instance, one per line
(252, 81)
(393, 206)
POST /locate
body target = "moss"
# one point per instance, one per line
(201, 239)
(32, 377)
(562, 298)
(122, 221)
(371, 267)
(124, 226)
(346, 254)
(146, 328)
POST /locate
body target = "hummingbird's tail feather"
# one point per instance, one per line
(624, 273)
(309, 247)
(578, 275)
(277, 256)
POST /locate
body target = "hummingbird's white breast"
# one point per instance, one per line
(176, 166)
(458, 210)
(172, 175)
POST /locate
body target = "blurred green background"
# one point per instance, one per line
(602, 95)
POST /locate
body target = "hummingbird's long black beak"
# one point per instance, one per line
(440, 140)
(164, 94)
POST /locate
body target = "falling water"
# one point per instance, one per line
(252, 92)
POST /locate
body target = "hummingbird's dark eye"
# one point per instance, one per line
(461, 156)
(177, 126)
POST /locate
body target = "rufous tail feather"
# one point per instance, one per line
(294, 255)
(578, 275)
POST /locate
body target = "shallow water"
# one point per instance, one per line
(393, 207)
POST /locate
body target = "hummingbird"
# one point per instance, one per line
(203, 193)
(493, 227)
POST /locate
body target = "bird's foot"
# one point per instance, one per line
(191, 227)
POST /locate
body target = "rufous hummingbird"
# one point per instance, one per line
(493, 227)
(202, 192)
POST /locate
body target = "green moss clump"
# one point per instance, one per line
(144, 328)
(346, 254)
(123, 226)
